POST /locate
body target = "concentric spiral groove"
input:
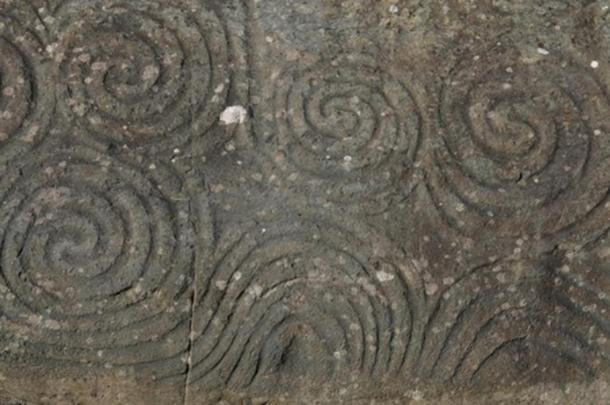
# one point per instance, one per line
(520, 152)
(96, 259)
(349, 129)
(307, 298)
(142, 73)
(27, 100)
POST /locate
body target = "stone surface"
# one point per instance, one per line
(321, 201)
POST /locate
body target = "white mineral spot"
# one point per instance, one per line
(52, 324)
(393, 9)
(84, 58)
(150, 72)
(234, 115)
(542, 51)
(31, 134)
(347, 158)
(256, 290)
(431, 289)
(383, 276)
(98, 66)
(50, 48)
(417, 396)
(217, 188)
(221, 285)
(237, 275)
(79, 109)
(137, 289)
(594, 64)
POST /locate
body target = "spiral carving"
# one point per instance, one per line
(500, 308)
(582, 296)
(142, 73)
(348, 128)
(520, 152)
(305, 299)
(96, 260)
(26, 96)
(113, 267)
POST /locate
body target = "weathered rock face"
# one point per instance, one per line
(281, 201)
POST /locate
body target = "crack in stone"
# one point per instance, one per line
(189, 359)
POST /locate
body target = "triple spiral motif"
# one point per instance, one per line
(103, 255)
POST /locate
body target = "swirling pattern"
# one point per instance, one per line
(347, 128)
(305, 300)
(581, 293)
(520, 152)
(142, 72)
(96, 260)
(496, 308)
(108, 258)
(26, 96)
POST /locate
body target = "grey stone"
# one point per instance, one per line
(281, 201)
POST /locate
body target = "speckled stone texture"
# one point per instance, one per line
(304, 201)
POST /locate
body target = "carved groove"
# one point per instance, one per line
(142, 73)
(96, 260)
(521, 151)
(495, 306)
(348, 128)
(275, 295)
(26, 94)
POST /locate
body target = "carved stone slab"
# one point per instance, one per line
(282, 201)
